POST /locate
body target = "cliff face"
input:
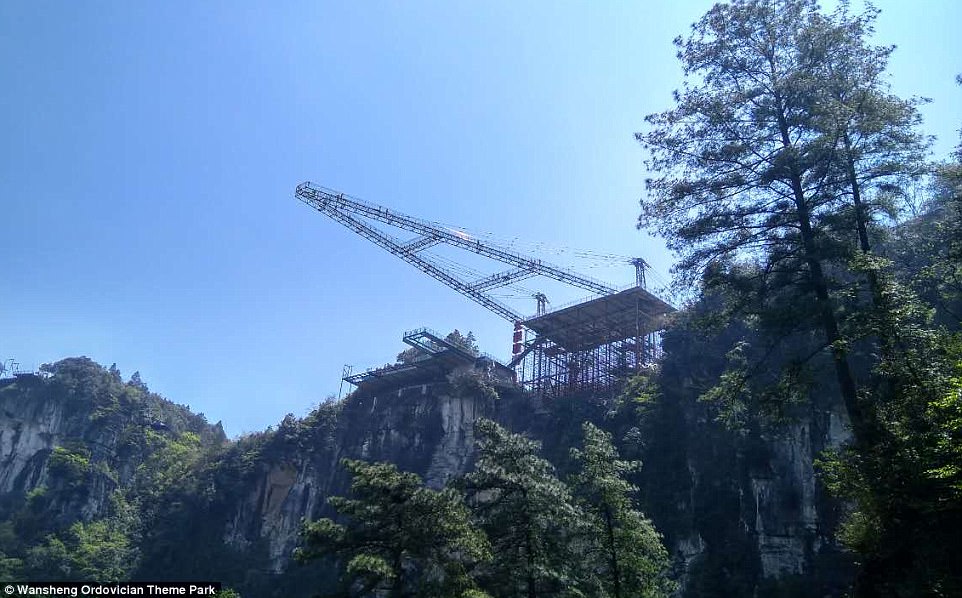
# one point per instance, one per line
(741, 506)
(426, 428)
(749, 512)
(78, 431)
(742, 511)
(31, 425)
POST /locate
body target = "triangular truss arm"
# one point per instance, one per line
(332, 202)
(397, 248)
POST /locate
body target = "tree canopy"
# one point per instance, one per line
(398, 536)
(776, 177)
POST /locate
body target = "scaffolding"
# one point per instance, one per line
(591, 346)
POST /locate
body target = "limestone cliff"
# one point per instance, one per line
(79, 409)
(743, 513)
(740, 512)
(426, 428)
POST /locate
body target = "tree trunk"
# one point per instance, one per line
(843, 371)
(860, 216)
(612, 553)
(861, 224)
(397, 586)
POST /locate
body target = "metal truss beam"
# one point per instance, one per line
(331, 202)
(420, 243)
(397, 248)
(500, 279)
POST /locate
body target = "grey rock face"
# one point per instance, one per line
(29, 430)
(427, 429)
(86, 411)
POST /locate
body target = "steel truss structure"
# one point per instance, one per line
(587, 347)
(346, 210)
(590, 347)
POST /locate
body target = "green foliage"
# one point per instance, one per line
(736, 156)
(906, 488)
(10, 567)
(625, 552)
(464, 340)
(170, 462)
(96, 551)
(945, 437)
(763, 170)
(32, 520)
(398, 536)
(303, 436)
(472, 384)
(929, 248)
(746, 395)
(159, 449)
(529, 515)
(69, 465)
(775, 172)
(103, 550)
(749, 187)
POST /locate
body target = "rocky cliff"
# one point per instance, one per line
(426, 428)
(742, 511)
(78, 430)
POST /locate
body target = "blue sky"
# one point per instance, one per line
(149, 153)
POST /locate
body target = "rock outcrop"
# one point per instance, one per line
(425, 428)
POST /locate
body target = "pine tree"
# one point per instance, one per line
(528, 514)
(782, 126)
(398, 537)
(782, 153)
(631, 558)
(870, 135)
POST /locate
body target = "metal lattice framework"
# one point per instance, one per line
(584, 347)
(590, 346)
(347, 210)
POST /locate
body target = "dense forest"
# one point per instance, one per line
(819, 271)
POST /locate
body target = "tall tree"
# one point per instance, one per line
(780, 154)
(752, 163)
(633, 561)
(528, 514)
(871, 135)
(873, 143)
(399, 538)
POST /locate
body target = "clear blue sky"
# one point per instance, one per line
(149, 152)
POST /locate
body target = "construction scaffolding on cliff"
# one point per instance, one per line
(585, 347)
(589, 346)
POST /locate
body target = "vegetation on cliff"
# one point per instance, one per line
(510, 527)
(122, 452)
(782, 174)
